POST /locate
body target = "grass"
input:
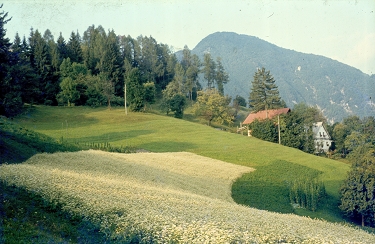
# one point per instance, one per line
(18, 143)
(25, 219)
(157, 133)
(272, 183)
(163, 198)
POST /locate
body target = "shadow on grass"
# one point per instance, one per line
(190, 117)
(18, 147)
(115, 136)
(168, 146)
(68, 118)
(267, 188)
(28, 218)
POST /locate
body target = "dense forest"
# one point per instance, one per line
(94, 68)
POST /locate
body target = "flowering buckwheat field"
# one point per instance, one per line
(164, 197)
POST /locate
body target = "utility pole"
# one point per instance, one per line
(278, 123)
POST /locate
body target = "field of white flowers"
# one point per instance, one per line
(164, 197)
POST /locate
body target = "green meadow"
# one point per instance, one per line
(266, 188)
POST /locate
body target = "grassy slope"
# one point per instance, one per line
(164, 198)
(24, 217)
(164, 134)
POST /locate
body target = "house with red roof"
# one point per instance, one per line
(264, 114)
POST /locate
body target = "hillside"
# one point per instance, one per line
(87, 126)
(337, 89)
(163, 198)
(164, 134)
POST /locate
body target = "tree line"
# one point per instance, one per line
(93, 69)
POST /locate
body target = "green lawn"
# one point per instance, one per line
(158, 133)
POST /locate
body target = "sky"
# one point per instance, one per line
(342, 30)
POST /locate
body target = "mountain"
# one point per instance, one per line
(339, 90)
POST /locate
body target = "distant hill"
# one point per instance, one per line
(339, 90)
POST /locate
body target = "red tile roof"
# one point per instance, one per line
(265, 114)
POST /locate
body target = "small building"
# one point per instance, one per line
(322, 139)
(264, 114)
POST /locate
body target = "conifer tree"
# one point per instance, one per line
(10, 96)
(186, 58)
(221, 77)
(41, 61)
(264, 92)
(91, 48)
(29, 80)
(180, 79)
(209, 70)
(192, 73)
(111, 63)
(74, 48)
(62, 49)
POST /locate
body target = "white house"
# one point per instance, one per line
(322, 139)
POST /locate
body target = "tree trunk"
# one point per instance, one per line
(363, 220)
(109, 103)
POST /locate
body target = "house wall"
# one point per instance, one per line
(322, 139)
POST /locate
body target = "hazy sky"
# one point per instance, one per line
(342, 30)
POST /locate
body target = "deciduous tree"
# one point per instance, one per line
(213, 107)
(69, 93)
(177, 105)
(358, 190)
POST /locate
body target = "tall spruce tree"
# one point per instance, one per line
(111, 64)
(24, 72)
(192, 73)
(62, 49)
(162, 80)
(221, 77)
(74, 48)
(93, 46)
(186, 58)
(264, 93)
(208, 70)
(10, 95)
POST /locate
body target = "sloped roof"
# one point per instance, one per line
(265, 114)
(316, 130)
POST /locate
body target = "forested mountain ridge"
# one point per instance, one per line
(339, 90)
